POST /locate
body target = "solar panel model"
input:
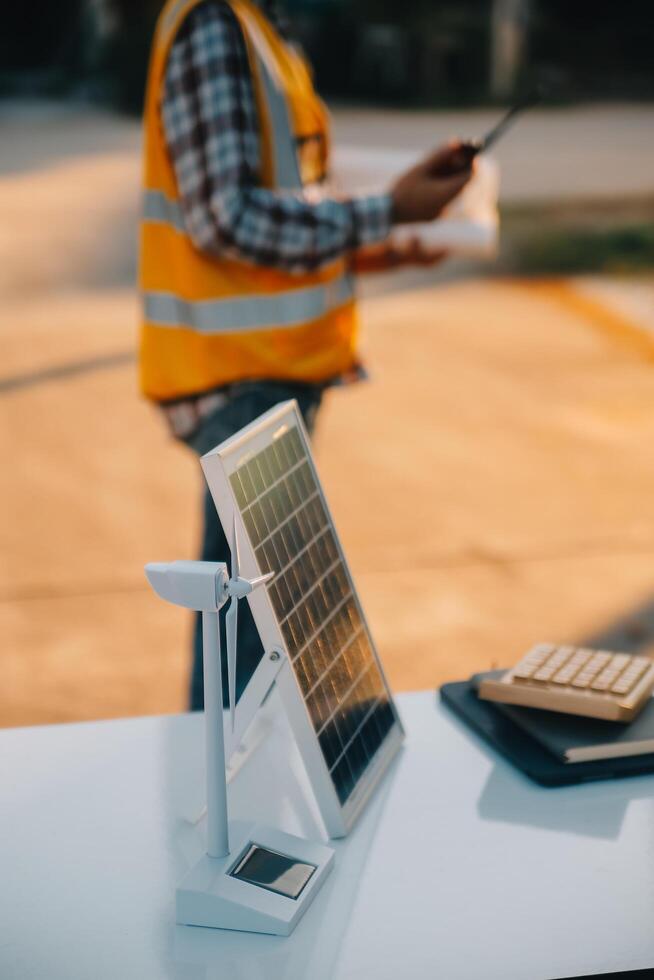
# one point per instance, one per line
(318, 649)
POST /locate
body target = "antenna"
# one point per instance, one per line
(266, 882)
(531, 98)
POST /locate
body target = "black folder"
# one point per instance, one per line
(525, 752)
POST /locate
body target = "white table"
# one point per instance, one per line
(459, 867)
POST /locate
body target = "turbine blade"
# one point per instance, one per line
(261, 579)
(236, 558)
(231, 626)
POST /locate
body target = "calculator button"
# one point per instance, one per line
(598, 661)
(564, 676)
(544, 648)
(538, 655)
(523, 672)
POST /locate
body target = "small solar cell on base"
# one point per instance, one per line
(273, 871)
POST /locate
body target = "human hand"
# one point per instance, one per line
(396, 255)
(422, 192)
(413, 251)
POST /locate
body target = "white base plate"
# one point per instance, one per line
(209, 896)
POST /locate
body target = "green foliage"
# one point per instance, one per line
(561, 252)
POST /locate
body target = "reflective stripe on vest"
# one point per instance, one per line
(261, 312)
(162, 210)
(286, 167)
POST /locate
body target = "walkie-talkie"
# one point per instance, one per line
(465, 154)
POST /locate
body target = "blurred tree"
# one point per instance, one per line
(40, 47)
(595, 48)
(126, 52)
(508, 45)
(418, 51)
(460, 51)
(36, 35)
(450, 52)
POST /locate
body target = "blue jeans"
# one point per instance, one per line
(247, 402)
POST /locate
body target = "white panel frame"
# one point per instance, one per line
(218, 465)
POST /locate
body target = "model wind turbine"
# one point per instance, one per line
(252, 878)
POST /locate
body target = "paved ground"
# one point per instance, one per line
(492, 485)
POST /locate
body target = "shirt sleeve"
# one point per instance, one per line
(211, 129)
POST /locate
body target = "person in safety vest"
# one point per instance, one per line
(246, 259)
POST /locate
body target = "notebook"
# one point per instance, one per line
(524, 752)
(571, 738)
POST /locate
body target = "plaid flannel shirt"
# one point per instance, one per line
(212, 133)
(211, 128)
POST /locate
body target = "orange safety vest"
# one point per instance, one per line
(209, 321)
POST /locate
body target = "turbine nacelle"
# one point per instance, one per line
(205, 586)
(199, 585)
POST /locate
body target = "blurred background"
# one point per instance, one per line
(508, 436)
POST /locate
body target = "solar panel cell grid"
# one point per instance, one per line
(290, 531)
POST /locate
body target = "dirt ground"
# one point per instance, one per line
(492, 484)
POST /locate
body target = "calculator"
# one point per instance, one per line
(576, 681)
